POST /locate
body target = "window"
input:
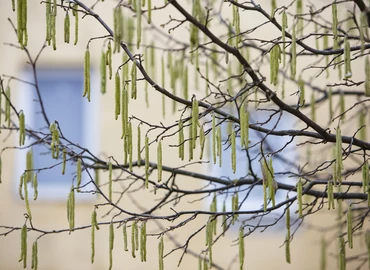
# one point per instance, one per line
(281, 163)
(61, 91)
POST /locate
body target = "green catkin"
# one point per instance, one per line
(331, 202)
(110, 180)
(326, 47)
(20, 192)
(338, 154)
(237, 26)
(55, 7)
(161, 253)
(244, 126)
(136, 236)
(365, 177)
(300, 21)
(241, 247)
(209, 241)
(1, 89)
(313, 107)
(27, 202)
(293, 62)
(229, 81)
(330, 98)
(22, 22)
(334, 21)
(181, 140)
(163, 81)
(342, 253)
(118, 28)
(219, 144)
(299, 197)
(23, 256)
(208, 227)
(35, 187)
(53, 28)
(367, 242)
(362, 125)
(202, 141)
(71, 208)
(159, 161)
(191, 148)
(273, 8)
(67, 25)
(367, 77)
(213, 208)
(133, 243)
(363, 30)
(29, 166)
(124, 112)
(235, 206)
(205, 264)
(129, 146)
(22, 129)
(323, 254)
(48, 24)
(94, 225)
(338, 59)
(108, 59)
(287, 242)
(349, 227)
(97, 177)
(186, 84)
(111, 244)
(117, 96)
(272, 183)
(224, 225)
(130, 32)
(287, 249)
(146, 161)
(275, 59)
(64, 163)
(54, 140)
(75, 14)
(138, 146)
(347, 59)
(124, 231)
(125, 147)
(214, 138)
(266, 181)
(79, 174)
(133, 81)
(233, 151)
(87, 86)
(138, 23)
(103, 74)
(301, 91)
(194, 122)
(7, 105)
(35, 260)
(149, 11)
(143, 242)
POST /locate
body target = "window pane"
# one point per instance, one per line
(61, 92)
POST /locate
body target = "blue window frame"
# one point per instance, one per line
(61, 92)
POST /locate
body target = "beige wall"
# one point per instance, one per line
(72, 251)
